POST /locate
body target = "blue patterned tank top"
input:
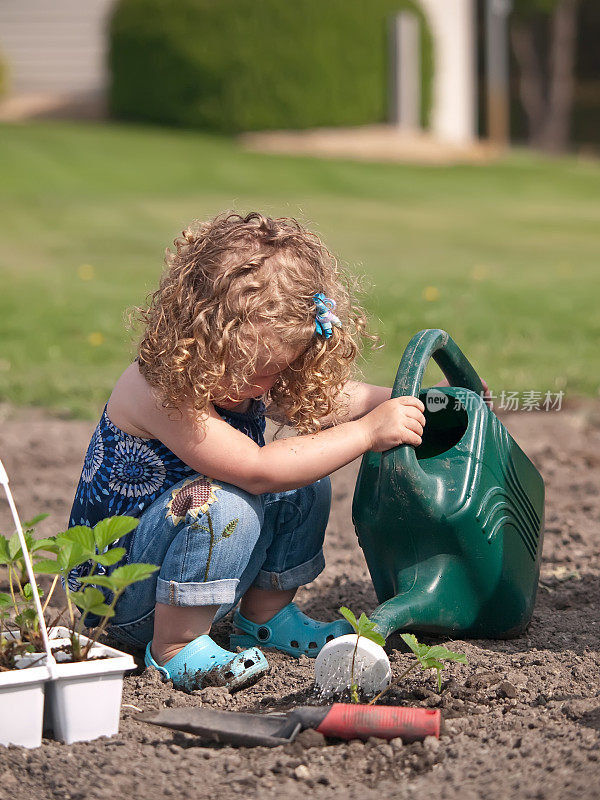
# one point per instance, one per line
(124, 474)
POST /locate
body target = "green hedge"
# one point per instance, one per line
(242, 65)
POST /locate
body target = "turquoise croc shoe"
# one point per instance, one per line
(203, 663)
(289, 630)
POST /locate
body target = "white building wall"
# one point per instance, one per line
(55, 46)
(452, 24)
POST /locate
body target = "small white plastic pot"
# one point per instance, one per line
(83, 698)
(22, 689)
(333, 666)
(22, 705)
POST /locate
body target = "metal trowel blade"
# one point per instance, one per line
(226, 727)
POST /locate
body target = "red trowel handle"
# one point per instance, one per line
(349, 721)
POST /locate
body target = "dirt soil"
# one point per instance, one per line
(522, 720)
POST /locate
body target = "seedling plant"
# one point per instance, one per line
(84, 545)
(362, 627)
(426, 657)
(10, 648)
(19, 624)
(71, 548)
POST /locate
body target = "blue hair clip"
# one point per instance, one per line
(325, 317)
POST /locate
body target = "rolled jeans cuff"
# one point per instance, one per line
(292, 578)
(208, 593)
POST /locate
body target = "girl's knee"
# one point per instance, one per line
(200, 495)
(216, 529)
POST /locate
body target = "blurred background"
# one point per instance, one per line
(446, 150)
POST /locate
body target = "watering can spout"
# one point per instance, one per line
(397, 613)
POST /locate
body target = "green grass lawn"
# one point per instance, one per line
(504, 257)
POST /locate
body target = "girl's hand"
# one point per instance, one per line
(399, 420)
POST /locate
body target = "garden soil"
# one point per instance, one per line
(522, 720)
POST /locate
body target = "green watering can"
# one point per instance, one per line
(451, 530)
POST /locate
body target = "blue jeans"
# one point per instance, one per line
(212, 541)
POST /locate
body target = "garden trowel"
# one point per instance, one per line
(340, 720)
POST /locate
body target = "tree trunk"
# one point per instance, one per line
(548, 112)
(531, 79)
(555, 135)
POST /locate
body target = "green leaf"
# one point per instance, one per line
(365, 625)
(102, 610)
(33, 522)
(44, 544)
(348, 615)
(79, 535)
(4, 555)
(26, 616)
(91, 600)
(111, 529)
(432, 657)
(72, 554)
(411, 640)
(121, 577)
(131, 573)
(14, 545)
(363, 622)
(111, 557)
(27, 592)
(99, 580)
(443, 654)
(5, 600)
(375, 636)
(434, 652)
(89, 596)
(47, 566)
(431, 663)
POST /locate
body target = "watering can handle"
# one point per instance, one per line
(437, 344)
(426, 344)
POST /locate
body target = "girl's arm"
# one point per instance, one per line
(360, 398)
(223, 453)
(357, 399)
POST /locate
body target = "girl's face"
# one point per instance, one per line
(268, 370)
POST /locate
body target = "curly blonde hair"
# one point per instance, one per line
(235, 286)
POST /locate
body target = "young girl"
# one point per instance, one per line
(241, 326)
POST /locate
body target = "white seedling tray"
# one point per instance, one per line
(22, 705)
(22, 690)
(83, 699)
